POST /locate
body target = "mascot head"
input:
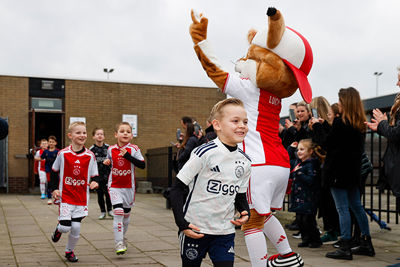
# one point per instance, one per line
(278, 60)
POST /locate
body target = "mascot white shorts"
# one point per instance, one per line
(267, 188)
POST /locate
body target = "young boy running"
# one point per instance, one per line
(217, 175)
(41, 167)
(50, 155)
(123, 157)
(77, 165)
(99, 149)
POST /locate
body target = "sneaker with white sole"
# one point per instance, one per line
(56, 235)
(297, 235)
(102, 216)
(110, 213)
(71, 256)
(120, 248)
(49, 201)
(291, 259)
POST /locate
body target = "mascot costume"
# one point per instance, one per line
(277, 63)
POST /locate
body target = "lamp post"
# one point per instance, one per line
(377, 74)
(108, 71)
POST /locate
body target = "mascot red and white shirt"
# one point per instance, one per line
(262, 143)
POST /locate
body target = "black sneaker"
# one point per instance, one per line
(297, 235)
(337, 244)
(71, 256)
(56, 235)
(315, 244)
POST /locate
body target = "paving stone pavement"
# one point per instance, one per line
(26, 224)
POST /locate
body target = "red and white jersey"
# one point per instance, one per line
(262, 143)
(122, 173)
(75, 173)
(40, 163)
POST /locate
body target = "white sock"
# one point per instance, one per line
(276, 234)
(118, 225)
(42, 188)
(256, 247)
(126, 220)
(73, 236)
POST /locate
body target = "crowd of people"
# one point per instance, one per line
(325, 144)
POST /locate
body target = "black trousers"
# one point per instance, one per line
(102, 192)
(308, 228)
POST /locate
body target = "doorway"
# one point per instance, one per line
(43, 125)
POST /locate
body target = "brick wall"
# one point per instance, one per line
(14, 104)
(18, 184)
(159, 109)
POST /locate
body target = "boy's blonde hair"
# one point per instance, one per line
(120, 124)
(217, 110)
(74, 124)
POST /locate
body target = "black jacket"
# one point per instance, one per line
(391, 157)
(184, 153)
(306, 185)
(291, 134)
(101, 154)
(344, 146)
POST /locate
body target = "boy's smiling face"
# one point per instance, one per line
(124, 135)
(231, 126)
(78, 135)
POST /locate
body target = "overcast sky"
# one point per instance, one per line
(147, 41)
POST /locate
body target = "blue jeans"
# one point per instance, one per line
(345, 199)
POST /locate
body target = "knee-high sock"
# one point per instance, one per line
(43, 180)
(256, 246)
(73, 236)
(118, 225)
(276, 234)
(127, 219)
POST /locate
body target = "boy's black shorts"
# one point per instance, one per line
(220, 248)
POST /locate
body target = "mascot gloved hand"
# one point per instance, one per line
(277, 62)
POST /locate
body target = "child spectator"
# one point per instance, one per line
(76, 165)
(41, 167)
(50, 155)
(217, 175)
(123, 157)
(99, 149)
(305, 172)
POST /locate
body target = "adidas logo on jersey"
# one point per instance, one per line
(231, 250)
(77, 161)
(215, 169)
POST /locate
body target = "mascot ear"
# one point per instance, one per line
(250, 35)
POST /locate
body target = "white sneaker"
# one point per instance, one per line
(102, 216)
(49, 201)
(111, 214)
(120, 248)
